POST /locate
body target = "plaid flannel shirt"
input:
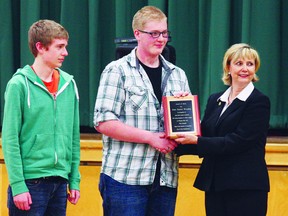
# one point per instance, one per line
(126, 94)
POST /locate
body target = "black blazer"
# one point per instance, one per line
(233, 145)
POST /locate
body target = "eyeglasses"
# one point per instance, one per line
(157, 34)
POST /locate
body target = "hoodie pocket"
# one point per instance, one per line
(41, 154)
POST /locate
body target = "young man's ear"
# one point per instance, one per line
(40, 47)
(136, 34)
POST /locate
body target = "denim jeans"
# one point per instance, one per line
(49, 197)
(134, 200)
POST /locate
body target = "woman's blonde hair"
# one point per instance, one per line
(236, 52)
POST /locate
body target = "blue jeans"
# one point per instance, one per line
(49, 197)
(134, 200)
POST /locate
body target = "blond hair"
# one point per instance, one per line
(236, 52)
(146, 14)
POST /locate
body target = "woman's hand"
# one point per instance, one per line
(186, 139)
(181, 94)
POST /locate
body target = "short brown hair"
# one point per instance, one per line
(45, 31)
(145, 14)
(235, 52)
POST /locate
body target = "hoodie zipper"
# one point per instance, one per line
(54, 97)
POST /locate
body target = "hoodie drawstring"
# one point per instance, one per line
(28, 92)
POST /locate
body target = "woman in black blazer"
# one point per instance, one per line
(233, 173)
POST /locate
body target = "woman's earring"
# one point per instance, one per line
(229, 73)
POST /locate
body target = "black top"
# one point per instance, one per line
(155, 75)
(233, 145)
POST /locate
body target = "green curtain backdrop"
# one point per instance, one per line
(202, 30)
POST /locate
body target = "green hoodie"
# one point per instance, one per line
(40, 132)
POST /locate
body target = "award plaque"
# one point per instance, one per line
(181, 115)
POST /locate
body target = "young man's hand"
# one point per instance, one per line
(74, 196)
(23, 201)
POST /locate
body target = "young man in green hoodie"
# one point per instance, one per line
(40, 133)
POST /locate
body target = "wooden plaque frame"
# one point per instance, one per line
(181, 115)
